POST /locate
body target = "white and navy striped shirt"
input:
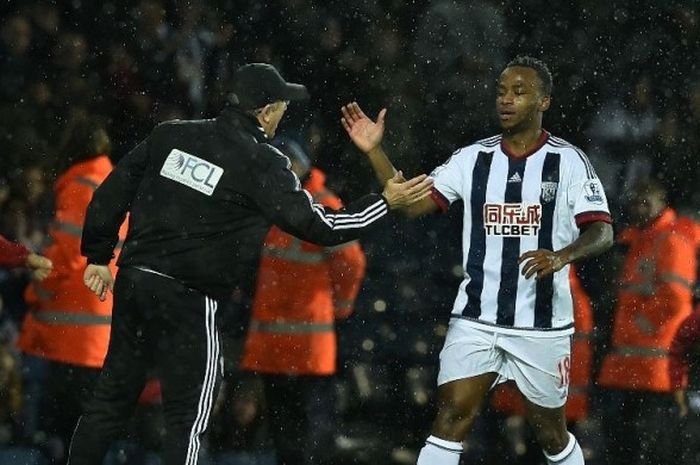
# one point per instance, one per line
(513, 205)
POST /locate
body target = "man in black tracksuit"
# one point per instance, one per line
(201, 196)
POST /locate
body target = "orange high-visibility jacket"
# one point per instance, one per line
(66, 322)
(656, 295)
(506, 400)
(301, 289)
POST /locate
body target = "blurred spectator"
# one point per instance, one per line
(67, 325)
(622, 133)
(132, 107)
(678, 150)
(10, 398)
(655, 296)
(16, 64)
(460, 47)
(153, 46)
(194, 41)
(302, 289)
(47, 23)
(27, 212)
(76, 82)
(239, 431)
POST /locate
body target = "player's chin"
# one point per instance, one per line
(508, 124)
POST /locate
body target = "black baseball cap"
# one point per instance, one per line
(258, 84)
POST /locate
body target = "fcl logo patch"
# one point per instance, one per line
(192, 171)
(512, 219)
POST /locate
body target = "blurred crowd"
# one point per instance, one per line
(626, 90)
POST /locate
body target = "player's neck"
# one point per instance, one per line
(522, 142)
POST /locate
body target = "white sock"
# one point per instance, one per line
(439, 452)
(571, 455)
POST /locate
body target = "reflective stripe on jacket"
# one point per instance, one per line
(66, 322)
(656, 295)
(301, 289)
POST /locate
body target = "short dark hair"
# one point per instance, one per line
(540, 68)
(86, 137)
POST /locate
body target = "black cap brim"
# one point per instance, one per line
(295, 92)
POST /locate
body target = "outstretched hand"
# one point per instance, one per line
(365, 133)
(39, 266)
(98, 278)
(400, 193)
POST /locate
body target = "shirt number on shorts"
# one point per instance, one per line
(564, 371)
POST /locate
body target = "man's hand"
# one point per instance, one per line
(400, 193)
(39, 266)
(365, 133)
(98, 278)
(541, 263)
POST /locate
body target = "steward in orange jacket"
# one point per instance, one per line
(66, 322)
(66, 325)
(656, 295)
(508, 401)
(302, 289)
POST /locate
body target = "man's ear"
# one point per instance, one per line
(545, 102)
(265, 112)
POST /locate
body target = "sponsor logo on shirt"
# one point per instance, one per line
(192, 171)
(512, 219)
(593, 192)
(515, 178)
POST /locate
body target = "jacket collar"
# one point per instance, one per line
(234, 118)
(316, 180)
(667, 217)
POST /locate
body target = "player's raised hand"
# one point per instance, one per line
(98, 278)
(365, 133)
(400, 193)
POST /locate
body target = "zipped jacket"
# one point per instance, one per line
(202, 196)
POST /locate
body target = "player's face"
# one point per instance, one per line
(520, 100)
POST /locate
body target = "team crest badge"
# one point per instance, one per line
(549, 191)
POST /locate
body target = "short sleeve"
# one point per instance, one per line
(586, 195)
(448, 181)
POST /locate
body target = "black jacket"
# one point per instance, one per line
(202, 196)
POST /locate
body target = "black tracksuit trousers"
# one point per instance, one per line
(158, 326)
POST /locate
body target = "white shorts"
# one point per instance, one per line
(539, 366)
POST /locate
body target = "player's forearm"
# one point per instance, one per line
(382, 166)
(594, 240)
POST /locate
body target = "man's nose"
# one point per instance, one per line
(506, 98)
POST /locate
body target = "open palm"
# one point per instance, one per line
(365, 133)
